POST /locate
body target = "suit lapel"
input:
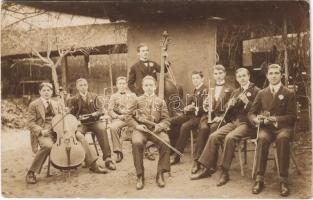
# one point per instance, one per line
(275, 98)
(220, 98)
(41, 109)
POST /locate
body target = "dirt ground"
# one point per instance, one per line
(17, 157)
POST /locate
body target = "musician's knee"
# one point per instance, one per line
(79, 136)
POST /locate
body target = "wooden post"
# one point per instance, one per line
(285, 39)
(64, 74)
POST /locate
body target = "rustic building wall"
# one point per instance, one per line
(192, 45)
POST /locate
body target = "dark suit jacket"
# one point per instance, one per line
(138, 71)
(75, 103)
(197, 98)
(240, 110)
(220, 105)
(282, 106)
(36, 119)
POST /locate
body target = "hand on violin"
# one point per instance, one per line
(244, 99)
(217, 119)
(232, 102)
(45, 132)
(158, 128)
(141, 127)
(122, 117)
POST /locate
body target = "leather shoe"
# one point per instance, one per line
(284, 190)
(174, 160)
(149, 155)
(31, 177)
(119, 157)
(203, 173)
(195, 168)
(110, 165)
(97, 169)
(224, 178)
(140, 182)
(257, 187)
(160, 179)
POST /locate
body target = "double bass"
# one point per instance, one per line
(168, 89)
(67, 152)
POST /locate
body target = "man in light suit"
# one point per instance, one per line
(274, 111)
(41, 112)
(122, 106)
(151, 108)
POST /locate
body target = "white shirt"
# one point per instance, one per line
(245, 87)
(275, 87)
(218, 89)
(45, 102)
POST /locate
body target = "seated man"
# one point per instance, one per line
(87, 103)
(153, 109)
(274, 112)
(237, 126)
(218, 95)
(122, 106)
(192, 114)
(41, 112)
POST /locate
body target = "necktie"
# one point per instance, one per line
(273, 91)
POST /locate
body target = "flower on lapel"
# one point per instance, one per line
(248, 94)
(151, 64)
(90, 100)
(226, 90)
(281, 97)
(154, 71)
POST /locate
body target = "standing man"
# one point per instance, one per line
(122, 107)
(151, 108)
(85, 103)
(142, 68)
(237, 126)
(192, 114)
(221, 94)
(274, 111)
(41, 112)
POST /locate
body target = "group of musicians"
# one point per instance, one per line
(221, 116)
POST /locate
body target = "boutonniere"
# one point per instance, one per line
(248, 94)
(226, 90)
(154, 71)
(90, 100)
(151, 64)
(281, 97)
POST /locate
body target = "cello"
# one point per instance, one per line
(168, 89)
(66, 153)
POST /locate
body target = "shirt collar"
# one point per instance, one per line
(83, 95)
(245, 87)
(199, 86)
(275, 87)
(220, 83)
(44, 101)
(149, 95)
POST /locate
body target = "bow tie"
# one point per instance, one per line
(122, 93)
(220, 84)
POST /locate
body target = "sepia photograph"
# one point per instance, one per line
(203, 99)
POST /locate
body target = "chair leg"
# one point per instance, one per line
(292, 155)
(191, 144)
(276, 161)
(93, 136)
(240, 159)
(245, 150)
(254, 162)
(48, 170)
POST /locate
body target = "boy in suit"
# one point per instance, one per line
(41, 112)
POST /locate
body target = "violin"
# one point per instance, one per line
(168, 89)
(66, 152)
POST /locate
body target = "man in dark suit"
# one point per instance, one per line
(274, 111)
(151, 108)
(193, 112)
(221, 93)
(144, 67)
(89, 103)
(41, 112)
(237, 126)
